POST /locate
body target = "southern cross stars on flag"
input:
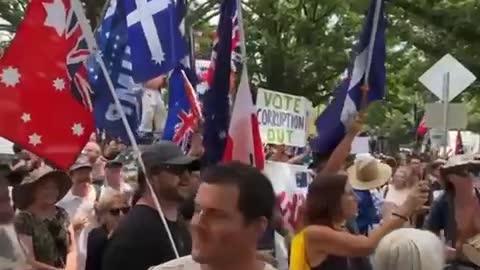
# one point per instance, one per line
(38, 109)
(112, 43)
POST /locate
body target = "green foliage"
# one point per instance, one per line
(303, 46)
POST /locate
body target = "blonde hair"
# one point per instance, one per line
(107, 202)
(409, 249)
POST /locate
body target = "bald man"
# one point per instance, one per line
(94, 154)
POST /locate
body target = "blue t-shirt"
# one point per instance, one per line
(367, 212)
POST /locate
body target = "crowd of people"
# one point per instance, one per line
(361, 213)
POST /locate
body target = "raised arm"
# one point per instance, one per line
(323, 240)
(341, 152)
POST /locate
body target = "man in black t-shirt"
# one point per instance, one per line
(140, 240)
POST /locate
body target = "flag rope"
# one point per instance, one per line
(93, 49)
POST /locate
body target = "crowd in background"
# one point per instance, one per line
(361, 212)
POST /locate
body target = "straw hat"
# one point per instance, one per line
(22, 193)
(460, 163)
(461, 160)
(368, 173)
(471, 249)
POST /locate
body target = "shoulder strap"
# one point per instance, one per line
(385, 191)
(452, 223)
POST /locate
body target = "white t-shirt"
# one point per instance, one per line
(11, 252)
(78, 207)
(106, 191)
(187, 263)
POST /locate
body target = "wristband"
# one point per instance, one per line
(400, 216)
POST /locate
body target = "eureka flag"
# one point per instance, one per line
(333, 123)
(154, 37)
(112, 44)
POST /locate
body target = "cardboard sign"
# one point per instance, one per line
(290, 183)
(282, 118)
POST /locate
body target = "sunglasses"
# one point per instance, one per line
(116, 211)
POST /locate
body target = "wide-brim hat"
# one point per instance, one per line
(459, 163)
(471, 249)
(13, 177)
(23, 192)
(368, 173)
(81, 163)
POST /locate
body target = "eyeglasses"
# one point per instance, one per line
(116, 211)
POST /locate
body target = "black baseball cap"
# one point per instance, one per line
(168, 153)
(114, 163)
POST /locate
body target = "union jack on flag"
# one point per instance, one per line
(76, 62)
(184, 110)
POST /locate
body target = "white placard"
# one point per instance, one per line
(360, 145)
(460, 77)
(290, 183)
(282, 118)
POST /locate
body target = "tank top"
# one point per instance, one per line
(333, 263)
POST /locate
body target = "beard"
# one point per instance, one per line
(11, 252)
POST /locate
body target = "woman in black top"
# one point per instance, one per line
(108, 212)
(330, 203)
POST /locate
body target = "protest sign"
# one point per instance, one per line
(282, 118)
(290, 183)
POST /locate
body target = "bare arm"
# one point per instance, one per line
(324, 240)
(27, 243)
(340, 154)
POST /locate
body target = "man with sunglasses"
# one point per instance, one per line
(140, 240)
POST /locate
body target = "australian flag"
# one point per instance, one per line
(154, 36)
(332, 124)
(216, 106)
(183, 109)
(112, 41)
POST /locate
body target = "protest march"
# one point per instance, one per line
(227, 135)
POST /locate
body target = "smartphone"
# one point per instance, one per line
(302, 179)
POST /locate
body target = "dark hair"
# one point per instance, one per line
(141, 186)
(16, 148)
(256, 196)
(324, 196)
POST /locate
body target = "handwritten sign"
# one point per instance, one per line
(282, 118)
(290, 183)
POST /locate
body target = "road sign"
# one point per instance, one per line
(457, 115)
(460, 77)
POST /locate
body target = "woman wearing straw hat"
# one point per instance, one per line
(42, 227)
(365, 176)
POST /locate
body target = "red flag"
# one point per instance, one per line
(459, 144)
(422, 127)
(244, 142)
(39, 78)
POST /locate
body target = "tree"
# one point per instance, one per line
(303, 46)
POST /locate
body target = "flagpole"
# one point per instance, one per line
(91, 43)
(373, 36)
(371, 47)
(243, 47)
